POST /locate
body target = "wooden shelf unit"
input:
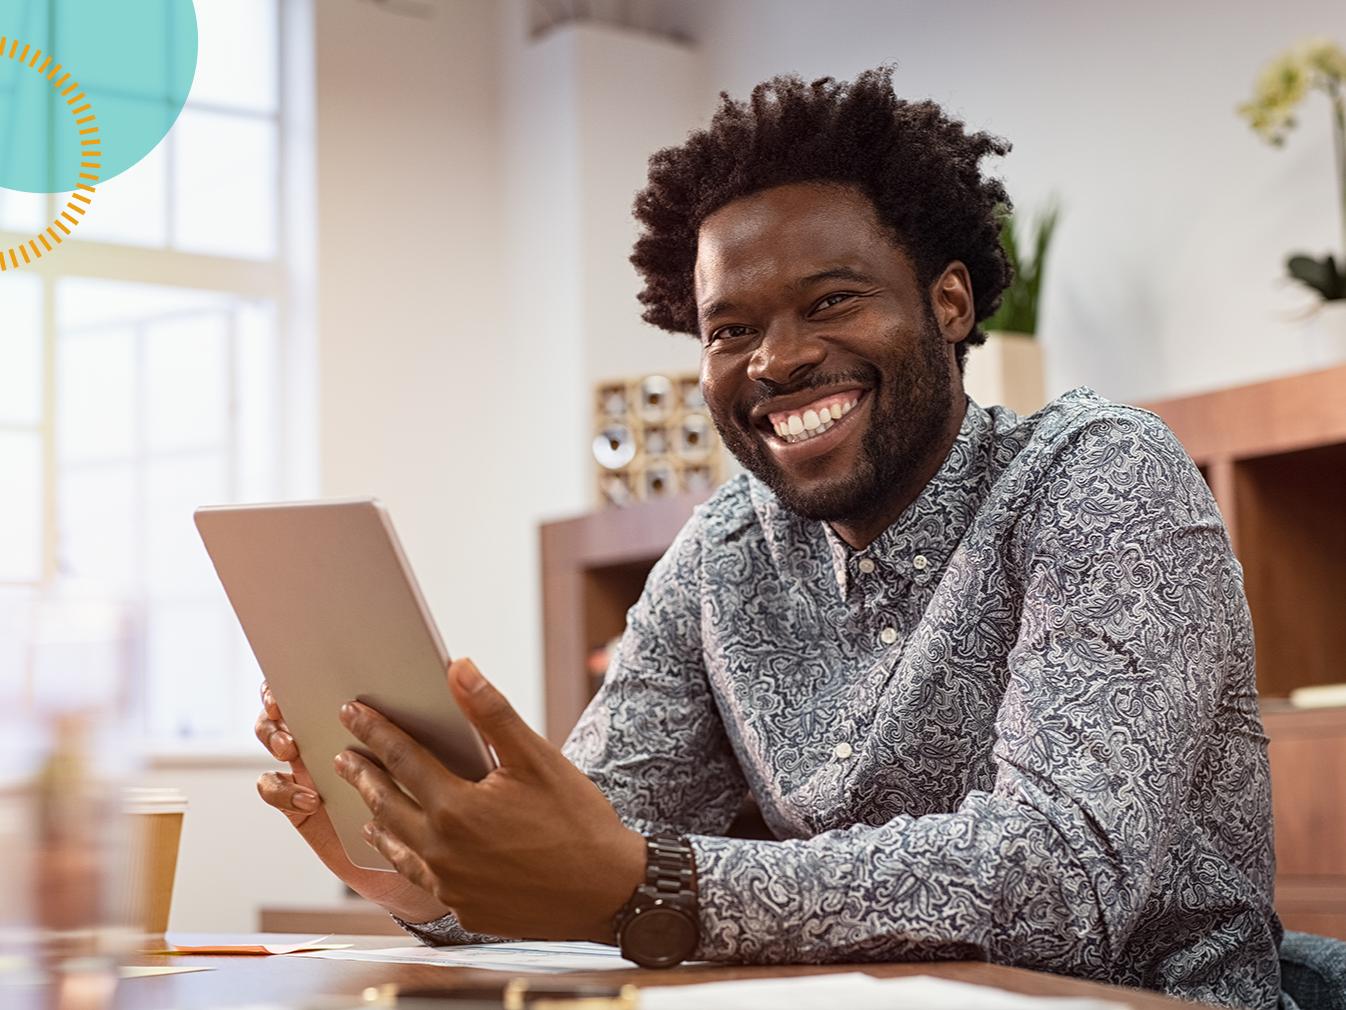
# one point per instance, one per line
(1274, 454)
(593, 569)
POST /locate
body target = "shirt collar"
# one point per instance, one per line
(918, 545)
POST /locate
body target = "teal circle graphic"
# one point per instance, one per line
(134, 60)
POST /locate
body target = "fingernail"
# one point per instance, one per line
(281, 741)
(348, 712)
(469, 677)
(342, 761)
(368, 830)
(306, 801)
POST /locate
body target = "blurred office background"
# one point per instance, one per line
(384, 251)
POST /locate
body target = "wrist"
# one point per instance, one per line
(623, 871)
(659, 926)
(406, 901)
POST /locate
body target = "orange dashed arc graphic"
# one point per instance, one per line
(90, 153)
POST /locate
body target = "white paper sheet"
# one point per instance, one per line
(855, 991)
(524, 957)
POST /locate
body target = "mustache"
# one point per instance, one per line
(867, 376)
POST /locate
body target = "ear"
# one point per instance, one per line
(952, 302)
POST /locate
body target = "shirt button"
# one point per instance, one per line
(866, 565)
(843, 750)
(920, 561)
(888, 636)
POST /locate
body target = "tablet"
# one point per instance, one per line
(332, 611)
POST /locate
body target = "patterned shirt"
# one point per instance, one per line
(1020, 726)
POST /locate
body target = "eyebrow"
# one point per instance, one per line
(713, 308)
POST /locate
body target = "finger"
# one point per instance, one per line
(279, 789)
(490, 711)
(404, 759)
(275, 737)
(400, 855)
(391, 807)
(269, 703)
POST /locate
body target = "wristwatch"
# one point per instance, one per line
(658, 926)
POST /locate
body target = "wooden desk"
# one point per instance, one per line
(240, 981)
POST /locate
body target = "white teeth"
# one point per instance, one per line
(811, 433)
(801, 427)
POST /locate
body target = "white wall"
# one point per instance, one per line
(637, 94)
(585, 106)
(414, 364)
(1167, 275)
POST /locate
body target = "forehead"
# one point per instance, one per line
(789, 231)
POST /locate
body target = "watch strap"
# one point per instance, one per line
(670, 867)
(658, 926)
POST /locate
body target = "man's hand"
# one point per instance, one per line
(294, 794)
(532, 850)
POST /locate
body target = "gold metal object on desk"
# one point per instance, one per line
(522, 994)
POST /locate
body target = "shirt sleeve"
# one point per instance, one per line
(652, 738)
(1133, 611)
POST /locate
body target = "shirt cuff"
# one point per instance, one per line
(724, 868)
(444, 932)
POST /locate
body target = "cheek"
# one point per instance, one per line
(717, 388)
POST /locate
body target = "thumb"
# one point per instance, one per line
(487, 709)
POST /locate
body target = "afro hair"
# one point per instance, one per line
(920, 169)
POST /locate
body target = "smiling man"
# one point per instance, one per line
(989, 678)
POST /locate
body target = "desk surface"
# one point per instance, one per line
(238, 981)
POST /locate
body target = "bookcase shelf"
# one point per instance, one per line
(1274, 454)
(593, 569)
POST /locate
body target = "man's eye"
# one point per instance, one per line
(728, 332)
(831, 300)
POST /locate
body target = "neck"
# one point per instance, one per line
(863, 531)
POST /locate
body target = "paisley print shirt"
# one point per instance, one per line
(1020, 726)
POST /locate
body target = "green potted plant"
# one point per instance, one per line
(1008, 368)
(1315, 64)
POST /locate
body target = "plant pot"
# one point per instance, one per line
(1008, 370)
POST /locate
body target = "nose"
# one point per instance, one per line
(784, 354)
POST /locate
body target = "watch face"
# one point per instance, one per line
(659, 937)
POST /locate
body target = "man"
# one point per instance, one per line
(989, 678)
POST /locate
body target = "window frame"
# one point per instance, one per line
(285, 280)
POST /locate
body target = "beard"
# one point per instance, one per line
(911, 400)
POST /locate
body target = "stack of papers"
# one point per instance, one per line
(242, 943)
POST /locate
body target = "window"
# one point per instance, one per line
(159, 364)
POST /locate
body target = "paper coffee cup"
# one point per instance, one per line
(155, 817)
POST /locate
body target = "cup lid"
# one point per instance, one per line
(143, 800)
